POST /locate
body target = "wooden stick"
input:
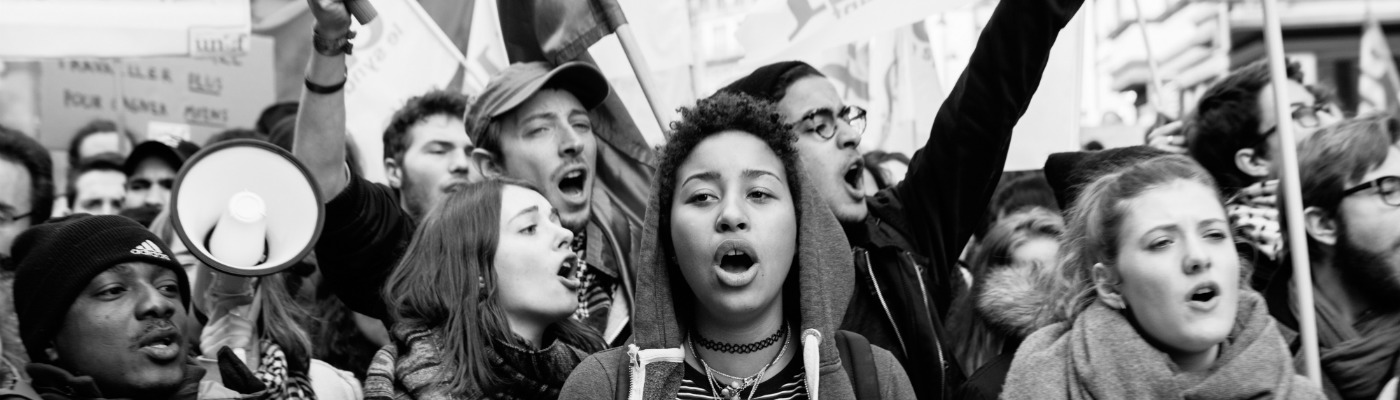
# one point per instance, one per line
(1293, 196)
(639, 66)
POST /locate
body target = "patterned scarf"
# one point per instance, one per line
(283, 381)
(413, 367)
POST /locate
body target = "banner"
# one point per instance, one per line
(779, 29)
(399, 55)
(123, 28)
(486, 51)
(1379, 83)
(192, 98)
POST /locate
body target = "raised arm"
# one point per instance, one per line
(320, 130)
(950, 181)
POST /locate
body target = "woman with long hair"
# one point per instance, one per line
(481, 301)
(1156, 301)
(743, 279)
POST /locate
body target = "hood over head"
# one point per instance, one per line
(822, 269)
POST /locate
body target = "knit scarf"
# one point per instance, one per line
(413, 367)
(1100, 355)
(1357, 358)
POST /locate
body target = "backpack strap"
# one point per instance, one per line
(859, 362)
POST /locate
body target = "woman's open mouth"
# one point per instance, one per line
(735, 260)
(1204, 297)
(570, 273)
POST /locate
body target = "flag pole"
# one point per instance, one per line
(1156, 96)
(1293, 196)
(639, 66)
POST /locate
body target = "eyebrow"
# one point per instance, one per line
(704, 176)
(756, 173)
(1211, 221)
(814, 113)
(535, 116)
(529, 210)
(577, 112)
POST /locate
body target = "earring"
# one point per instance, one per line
(481, 283)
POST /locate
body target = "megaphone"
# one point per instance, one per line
(246, 208)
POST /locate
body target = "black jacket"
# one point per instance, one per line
(906, 252)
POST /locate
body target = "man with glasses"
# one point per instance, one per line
(1351, 198)
(26, 199)
(1232, 134)
(907, 238)
(150, 175)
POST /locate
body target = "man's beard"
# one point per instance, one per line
(415, 201)
(1370, 272)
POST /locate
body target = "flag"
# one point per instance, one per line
(781, 29)
(1379, 83)
(399, 55)
(485, 50)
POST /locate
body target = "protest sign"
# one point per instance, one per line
(401, 54)
(192, 97)
(123, 28)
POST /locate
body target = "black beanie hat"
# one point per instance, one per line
(57, 259)
(763, 82)
(1068, 172)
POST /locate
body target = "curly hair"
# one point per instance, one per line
(722, 112)
(415, 111)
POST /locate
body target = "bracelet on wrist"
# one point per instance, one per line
(323, 89)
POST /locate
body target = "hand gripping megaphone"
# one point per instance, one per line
(245, 208)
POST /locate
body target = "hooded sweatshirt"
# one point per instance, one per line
(653, 366)
(1100, 355)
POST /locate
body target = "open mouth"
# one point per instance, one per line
(571, 184)
(854, 174)
(162, 346)
(1204, 293)
(736, 261)
(569, 268)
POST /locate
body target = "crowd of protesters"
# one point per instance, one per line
(771, 259)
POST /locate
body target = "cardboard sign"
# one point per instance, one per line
(123, 28)
(192, 98)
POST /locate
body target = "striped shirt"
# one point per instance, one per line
(790, 383)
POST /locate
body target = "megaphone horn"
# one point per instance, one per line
(246, 208)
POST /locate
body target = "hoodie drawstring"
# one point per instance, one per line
(811, 360)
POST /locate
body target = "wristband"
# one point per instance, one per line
(319, 89)
(331, 47)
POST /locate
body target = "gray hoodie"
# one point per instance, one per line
(652, 367)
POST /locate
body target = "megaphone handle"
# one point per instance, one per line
(362, 10)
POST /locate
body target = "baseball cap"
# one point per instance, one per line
(520, 81)
(171, 149)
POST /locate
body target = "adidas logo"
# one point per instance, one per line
(148, 248)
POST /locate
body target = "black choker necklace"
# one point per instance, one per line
(741, 348)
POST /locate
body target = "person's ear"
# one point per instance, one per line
(1320, 225)
(487, 163)
(393, 172)
(1251, 163)
(1106, 282)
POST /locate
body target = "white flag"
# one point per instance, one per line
(1379, 84)
(399, 55)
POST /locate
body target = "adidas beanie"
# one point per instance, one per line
(56, 260)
